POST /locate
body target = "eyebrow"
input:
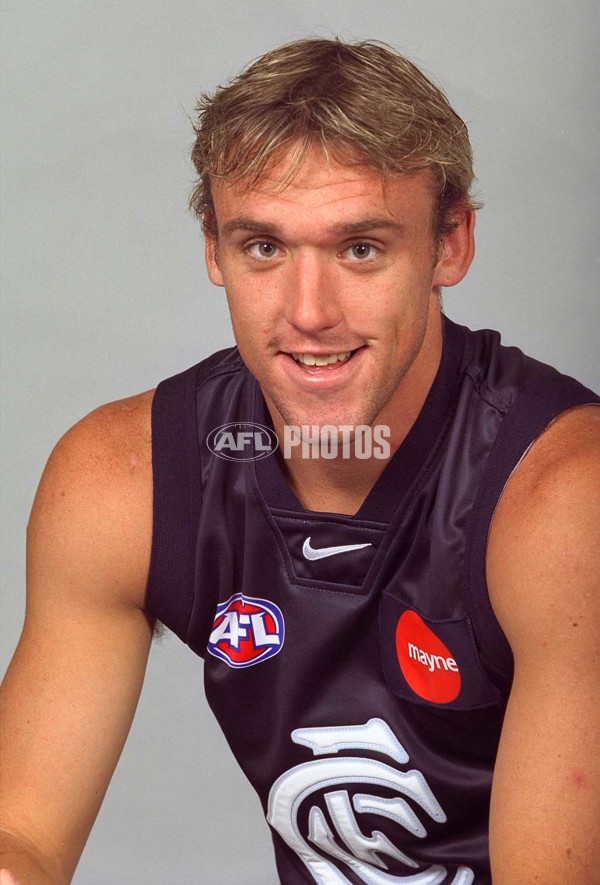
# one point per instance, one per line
(250, 225)
(367, 224)
(363, 225)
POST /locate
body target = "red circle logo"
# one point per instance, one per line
(426, 664)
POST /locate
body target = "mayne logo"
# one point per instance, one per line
(431, 661)
(242, 441)
(426, 663)
(246, 631)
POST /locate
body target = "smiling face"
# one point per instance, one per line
(332, 285)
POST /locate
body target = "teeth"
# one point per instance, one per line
(325, 359)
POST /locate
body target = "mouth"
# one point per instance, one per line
(323, 370)
(322, 359)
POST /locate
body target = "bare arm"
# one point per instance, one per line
(70, 693)
(544, 578)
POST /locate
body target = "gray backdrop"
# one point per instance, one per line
(105, 291)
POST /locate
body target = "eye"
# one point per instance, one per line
(262, 249)
(361, 251)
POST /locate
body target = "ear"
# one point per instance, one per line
(457, 248)
(211, 256)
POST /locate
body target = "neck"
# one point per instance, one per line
(333, 486)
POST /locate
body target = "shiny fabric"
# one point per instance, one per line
(362, 778)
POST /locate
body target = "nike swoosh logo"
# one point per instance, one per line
(310, 552)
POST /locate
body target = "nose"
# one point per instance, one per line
(312, 304)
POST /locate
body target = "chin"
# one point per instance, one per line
(335, 415)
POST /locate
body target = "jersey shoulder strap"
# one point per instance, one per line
(545, 395)
(177, 489)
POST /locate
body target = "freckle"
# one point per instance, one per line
(568, 852)
(575, 624)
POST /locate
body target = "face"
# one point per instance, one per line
(333, 288)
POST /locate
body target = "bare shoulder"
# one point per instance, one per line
(93, 507)
(118, 432)
(569, 446)
(544, 544)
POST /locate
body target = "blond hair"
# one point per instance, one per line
(361, 102)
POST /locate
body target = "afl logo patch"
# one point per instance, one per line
(426, 663)
(246, 631)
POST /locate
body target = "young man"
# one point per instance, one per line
(402, 640)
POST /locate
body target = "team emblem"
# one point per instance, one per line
(246, 631)
(323, 808)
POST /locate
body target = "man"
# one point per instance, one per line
(388, 629)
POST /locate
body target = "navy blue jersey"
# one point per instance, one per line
(354, 663)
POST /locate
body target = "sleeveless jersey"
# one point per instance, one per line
(354, 663)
